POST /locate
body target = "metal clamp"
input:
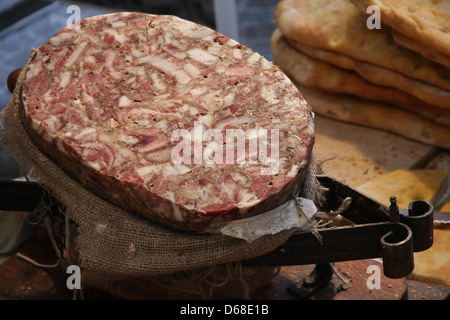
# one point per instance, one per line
(378, 232)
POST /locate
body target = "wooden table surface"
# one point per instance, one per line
(21, 280)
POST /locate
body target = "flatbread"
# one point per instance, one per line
(381, 76)
(339, 26)
(433, 265)
(426, 21)
(427, 52)
(377, 115)
(316, 74)
(407, 185)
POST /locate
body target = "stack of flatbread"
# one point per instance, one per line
(395, 78)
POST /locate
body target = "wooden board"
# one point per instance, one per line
(355, 272)
(355, 154)
(21, 280)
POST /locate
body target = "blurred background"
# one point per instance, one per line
(26, 24)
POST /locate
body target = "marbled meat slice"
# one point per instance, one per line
(137, 107)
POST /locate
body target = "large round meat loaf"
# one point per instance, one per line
(139, 108)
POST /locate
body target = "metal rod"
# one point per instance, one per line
(343, 244)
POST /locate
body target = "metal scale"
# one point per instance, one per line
(376, 231)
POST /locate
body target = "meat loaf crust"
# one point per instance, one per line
(117, 100)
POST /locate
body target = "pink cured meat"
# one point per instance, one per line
(104, 99)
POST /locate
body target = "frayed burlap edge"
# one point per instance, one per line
(113, 244)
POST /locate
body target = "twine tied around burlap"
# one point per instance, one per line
(114, 245)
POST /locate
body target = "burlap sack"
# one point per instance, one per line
(113, 244)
